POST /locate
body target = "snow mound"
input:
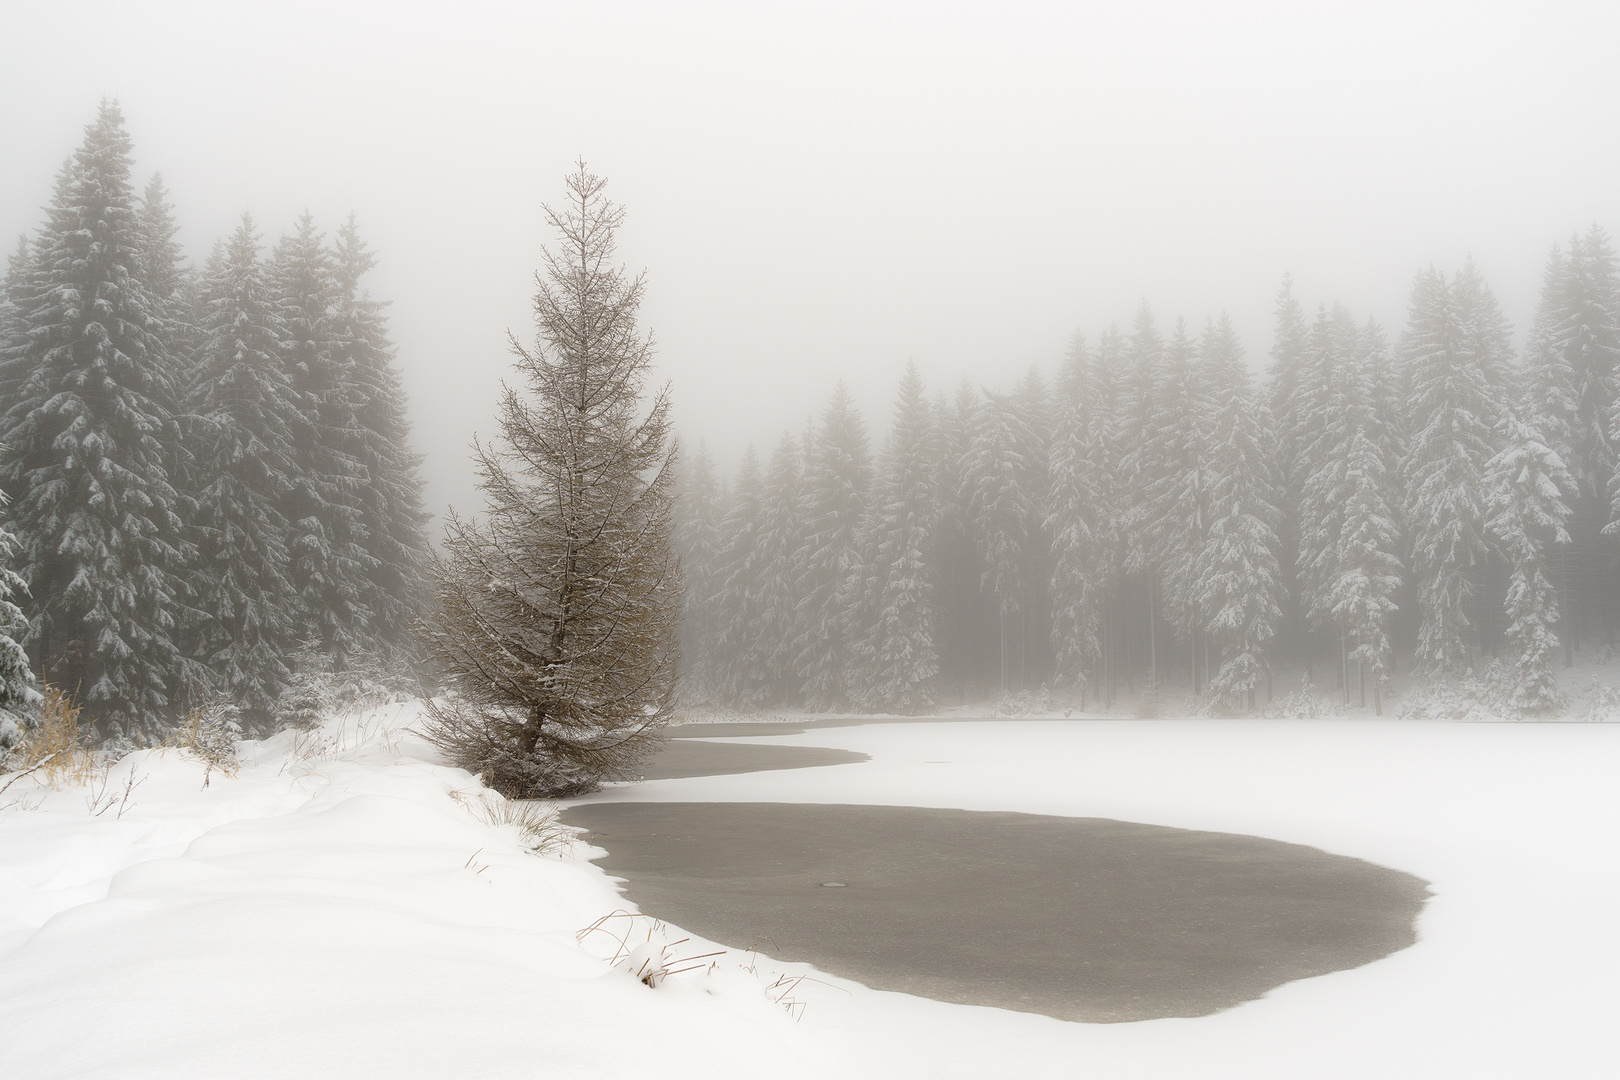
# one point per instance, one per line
(342, 906)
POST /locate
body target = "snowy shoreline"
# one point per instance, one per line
(343, 907)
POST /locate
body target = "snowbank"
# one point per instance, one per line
(343, 907)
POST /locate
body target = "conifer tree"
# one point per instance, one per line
(1032, 400)
(17, 718)
(1565, 387)
(893, 624)
(1487, 338)
(1451, 411)
(1174, 512)
(1290, 336)
(248, 431)
(1366, 565)
(1329, 396)
(1142, 414)
(89, 432)
(772, 648)
(739, 569)
(699, 507)
(1236, 571)
(836, 478)
(1322, 429)
(1528, 487)
(998, 477)
(558, 614)
(18, 266)
(1587, 333)
(389, 518)
(168, 280)
(959, 600)
(1079, 520)
(17, 688)
(330, 566)
(1549, 374)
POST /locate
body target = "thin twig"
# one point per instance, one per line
(35, 767)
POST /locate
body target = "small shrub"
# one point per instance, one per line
(317, 691)
(1025, 702)
(209, 733)
(1149, 705)
(1302, 704)
(1472, 698)
(1602, 703)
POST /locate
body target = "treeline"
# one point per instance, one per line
(208, 486)
(1436, 503)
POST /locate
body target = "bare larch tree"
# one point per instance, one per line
(557, 612)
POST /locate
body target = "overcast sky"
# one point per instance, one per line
(821, 192)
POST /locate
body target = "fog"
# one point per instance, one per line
(821, 193)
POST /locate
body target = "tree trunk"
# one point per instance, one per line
(1153, 639)
(1194, 645)
(1003, 612)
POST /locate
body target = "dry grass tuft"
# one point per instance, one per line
(650, 961)
(538, 823)
(57, 747)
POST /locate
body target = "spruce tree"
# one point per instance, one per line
(836, 478)
(557, 614)
(1549, 374)
(248, 432)
(1487, 337)
(1451, 413)
(894, 623)
(1367, 569)
(331, 568)
(736, 614)
(1033, 403)
(17, 686)
(1076, 522)
(1142, 415)
(1588, 335)
(18, 267)
(169, 280)
(1174, 512)
(389, 516)
(772, 647)
(998, 481)
(1290, 337)
(1106, 453)
(1566, 379)
(1236, 572)
(1322, 430)
(1528, 507)
(88, 428)
(699, 509)
(959, 600)
(1346, 536)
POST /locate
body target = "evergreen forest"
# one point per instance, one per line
(1436, 504)
(209, 494)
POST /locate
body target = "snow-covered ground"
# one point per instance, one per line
(344, 907)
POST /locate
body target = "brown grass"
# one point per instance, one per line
(57, 747)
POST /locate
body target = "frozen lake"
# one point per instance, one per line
(348, 905)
